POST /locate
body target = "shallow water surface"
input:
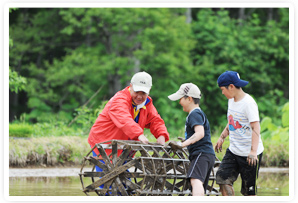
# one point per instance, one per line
(269, 184)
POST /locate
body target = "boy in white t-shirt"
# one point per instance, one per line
(246, 148)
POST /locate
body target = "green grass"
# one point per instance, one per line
(20, 130)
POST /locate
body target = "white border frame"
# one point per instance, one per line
(159, 4)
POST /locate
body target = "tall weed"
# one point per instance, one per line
(20, 130)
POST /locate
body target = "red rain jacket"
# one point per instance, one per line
(116, 121)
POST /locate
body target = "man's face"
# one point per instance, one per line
(138, 97)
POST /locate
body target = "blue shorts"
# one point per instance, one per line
(200, 168)
(98, 169)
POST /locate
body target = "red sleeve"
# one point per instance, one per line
(156, 124)
(119, 112)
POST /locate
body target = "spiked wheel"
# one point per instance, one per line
(140, 169)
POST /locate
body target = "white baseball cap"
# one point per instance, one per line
(141, 81)
(186, 89)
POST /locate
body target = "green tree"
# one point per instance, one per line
(258, 52)
(97, 47)
(67, 54)
(16, 82)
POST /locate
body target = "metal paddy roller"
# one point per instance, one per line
(124, 168)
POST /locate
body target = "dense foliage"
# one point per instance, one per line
(65, 63)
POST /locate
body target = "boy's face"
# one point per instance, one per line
(184, 102)
(228, 92)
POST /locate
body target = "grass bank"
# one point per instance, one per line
(49, 143)
(70, 150)
(47, 151)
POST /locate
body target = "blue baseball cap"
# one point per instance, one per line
(230, 77)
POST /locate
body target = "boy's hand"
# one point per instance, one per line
(181, 139)
(252, 159)
(218, 145)
(175, 145)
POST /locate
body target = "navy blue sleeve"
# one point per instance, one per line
(196, 118)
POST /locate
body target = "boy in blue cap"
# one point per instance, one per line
(246, 148)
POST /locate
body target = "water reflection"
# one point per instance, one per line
(269, 184)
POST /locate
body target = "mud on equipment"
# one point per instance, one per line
(141, 169)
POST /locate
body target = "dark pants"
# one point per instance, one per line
(232, 165)
(200, 168)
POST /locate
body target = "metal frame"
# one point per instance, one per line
(140, 169)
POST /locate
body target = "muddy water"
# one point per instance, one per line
(65, 182)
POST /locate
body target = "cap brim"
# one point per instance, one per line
(137, 88)
(176, 96)
(241, 83)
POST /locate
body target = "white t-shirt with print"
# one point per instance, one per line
(240, 115)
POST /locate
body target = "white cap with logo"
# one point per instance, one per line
(186, 89)
(141, 81)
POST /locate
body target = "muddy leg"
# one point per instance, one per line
(227, 190)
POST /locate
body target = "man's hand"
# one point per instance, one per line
(175, 145)
(143, 139)
(218, 145)
(161, 140)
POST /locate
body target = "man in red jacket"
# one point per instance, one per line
(127, 113)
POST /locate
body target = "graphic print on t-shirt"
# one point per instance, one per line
(232, 125)
(235, 125)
